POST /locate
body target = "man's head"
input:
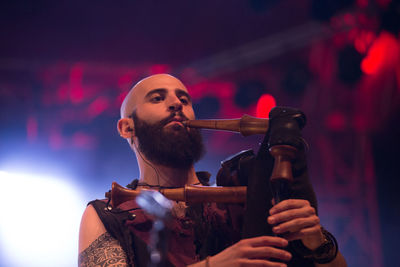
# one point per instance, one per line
(152, 113)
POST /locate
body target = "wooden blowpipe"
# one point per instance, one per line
(188, 193)
(246, 125)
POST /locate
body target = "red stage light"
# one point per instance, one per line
(76, 89)
(264, 105)
(363, 40)
(383, 52)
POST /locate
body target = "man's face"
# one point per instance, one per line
(157, 97)
(162, 103)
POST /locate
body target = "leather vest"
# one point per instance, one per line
(205, 230)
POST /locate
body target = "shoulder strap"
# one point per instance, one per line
(114, 222)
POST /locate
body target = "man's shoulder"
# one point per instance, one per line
(91, 227)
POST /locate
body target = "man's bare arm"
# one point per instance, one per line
(104, 251)
(96, 246)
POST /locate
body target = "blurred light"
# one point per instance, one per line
(159, 68)
(120, 98)
(62, 94)
(125, 80)
(56, 141)
(40, 220)
(76, 89)
(264, 105)
(336, 121)
(374, 59)
(361, 123)
(383, 52)
(384, 3)
(363, 40)
(83, 140)
(98, 106)
(362, 3)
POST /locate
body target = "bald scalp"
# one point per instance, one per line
(140, 89)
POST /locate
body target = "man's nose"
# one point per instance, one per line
(175, 104)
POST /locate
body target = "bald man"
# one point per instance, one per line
(151, 122)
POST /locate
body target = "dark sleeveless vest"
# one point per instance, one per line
(206, 230)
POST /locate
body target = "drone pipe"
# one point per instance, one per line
(188, 193)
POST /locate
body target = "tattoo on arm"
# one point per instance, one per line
(104, 251)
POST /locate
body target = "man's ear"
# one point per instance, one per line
(126, 128)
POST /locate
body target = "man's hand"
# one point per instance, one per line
(296, 219)
(257, 251)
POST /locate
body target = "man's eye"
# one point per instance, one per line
(156, 99)
(184, 100)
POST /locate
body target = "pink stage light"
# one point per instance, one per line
(264, 105)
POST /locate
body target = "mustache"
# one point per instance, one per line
(171, 117)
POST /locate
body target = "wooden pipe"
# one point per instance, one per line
(282, 175)
(246, 125)
(280, 178)
(188, 193)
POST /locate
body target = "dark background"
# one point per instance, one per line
(65, 67)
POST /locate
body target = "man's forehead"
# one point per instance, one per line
(159, 81)
(143, 87)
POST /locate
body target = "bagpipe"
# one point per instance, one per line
(282, 145)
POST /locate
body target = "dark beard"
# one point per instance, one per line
(174, 147)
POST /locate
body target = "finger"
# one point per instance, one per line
(266, 253)
(289, 204)
(303, 233)
(291, 214)
(265, 241)
(260, 263)
(296, 225)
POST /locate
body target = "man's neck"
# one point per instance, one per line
(166, 176)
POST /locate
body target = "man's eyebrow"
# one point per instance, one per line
(155, 91)
(181, 92)
(178, 92)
